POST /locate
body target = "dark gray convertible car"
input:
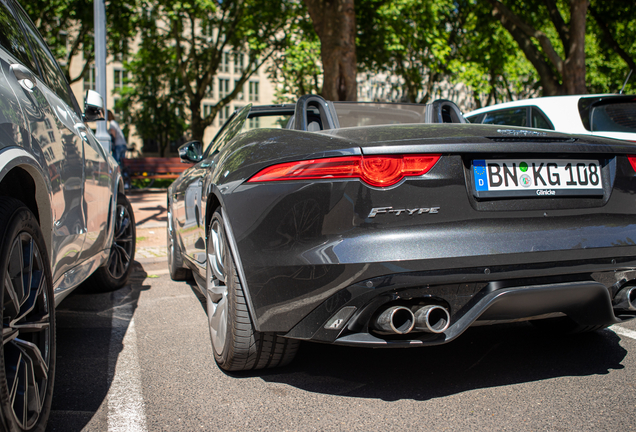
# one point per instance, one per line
(396, 225)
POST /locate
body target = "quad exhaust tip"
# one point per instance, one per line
(432, 319)
(402, 320)
(395, 320)
(626, 299)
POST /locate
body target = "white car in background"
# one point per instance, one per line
(605, 115)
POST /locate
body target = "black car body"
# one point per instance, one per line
(288, 245)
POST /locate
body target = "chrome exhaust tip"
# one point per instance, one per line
(625, 300)
(395, 320)
(432, 319)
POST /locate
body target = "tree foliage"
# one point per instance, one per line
(564, 40)
(67, 26)
(190, 40)
(296, 68)
(413, 40)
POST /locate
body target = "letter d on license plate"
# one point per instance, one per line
(543, 178)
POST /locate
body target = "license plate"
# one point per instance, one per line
(542, 178)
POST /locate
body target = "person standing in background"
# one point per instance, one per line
(119, 141)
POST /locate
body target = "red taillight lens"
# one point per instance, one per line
(380, 171)
(632, 160)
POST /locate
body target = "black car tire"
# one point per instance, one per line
(236, 345)
(27, 363)
(114, 274)
(175, 262)
(564, 326)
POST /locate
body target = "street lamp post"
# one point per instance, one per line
(99, 10)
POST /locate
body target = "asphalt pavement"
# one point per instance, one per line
(140, 359)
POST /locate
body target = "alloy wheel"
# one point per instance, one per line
(122, 248)
(217, 302)
(26, 338)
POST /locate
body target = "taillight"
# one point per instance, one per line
(379, 171)
(632, 160)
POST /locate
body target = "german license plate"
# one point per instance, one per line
(542, 178)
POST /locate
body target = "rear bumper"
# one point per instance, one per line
(588, 302)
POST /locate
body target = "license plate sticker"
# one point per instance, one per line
(542, 178)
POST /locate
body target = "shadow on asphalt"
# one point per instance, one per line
(90, 330)
(482, 357)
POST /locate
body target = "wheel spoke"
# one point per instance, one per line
(33, 356)
(9, 334)
(16, 268)
(11, 303)
(218, 322)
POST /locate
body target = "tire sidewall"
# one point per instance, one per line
(230, 282)
(23, 220)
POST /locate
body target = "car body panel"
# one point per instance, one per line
(75, 181)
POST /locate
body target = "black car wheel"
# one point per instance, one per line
(27, 364)
(114, 274)
(236, 345)
(175, 261)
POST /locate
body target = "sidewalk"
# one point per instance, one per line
(151, 216)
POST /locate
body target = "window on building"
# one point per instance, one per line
(253, 95)
(255, 123)
(122, 51)
(225, 62)
(224, 114)
(89, 79)
(207, 110)
(119, 78)
(238, 63)
(209, 90)
(240, 96)
(224, 87)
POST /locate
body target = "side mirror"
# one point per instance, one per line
(192, 151)
(93, 106)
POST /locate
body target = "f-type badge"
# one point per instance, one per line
(415, 211)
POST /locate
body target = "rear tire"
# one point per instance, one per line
(236, 345)
(114, 274)
(175, 261)
(564, 326)
(27, 362)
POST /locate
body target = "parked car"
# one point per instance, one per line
(608, 115)
(397, 225)
(63, 215)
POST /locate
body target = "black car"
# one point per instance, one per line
(397, 225)
(64, 219)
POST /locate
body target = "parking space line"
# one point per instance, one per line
(125, 401)
(623, 331)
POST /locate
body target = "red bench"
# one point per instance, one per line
(154, 167)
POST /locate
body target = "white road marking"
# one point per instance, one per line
(623, 331)
(126, 411)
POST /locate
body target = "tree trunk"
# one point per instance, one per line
(335, 24)
(574, 65)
